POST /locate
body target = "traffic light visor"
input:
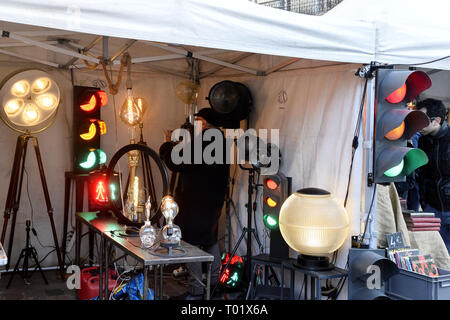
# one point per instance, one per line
(400, 161)
(403, 86)
(402, 123)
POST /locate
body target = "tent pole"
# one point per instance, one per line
(281, 65)
(216, 69)
(18, 55)
(7, 34)
(84, 50)
(369, 185)
(202, 57)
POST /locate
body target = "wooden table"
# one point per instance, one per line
(112, 233)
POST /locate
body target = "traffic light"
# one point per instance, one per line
(368, 273)
(87, 128)
(232, 275)
(275, 192)
(395, 124)
(102, 190)
(276, 189)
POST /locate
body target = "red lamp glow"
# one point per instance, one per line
(397, 95)
(271, 184)
(396, 133)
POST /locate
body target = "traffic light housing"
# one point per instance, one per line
(276, 189)
(395, 124)
(87, 128)
(368, 272)
(275, 192)
(103, 190)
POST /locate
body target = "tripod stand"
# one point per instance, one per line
(27, 253)
(14, 192)
(246, 230)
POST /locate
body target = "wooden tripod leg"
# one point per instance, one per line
(12, 204)
(49, 205)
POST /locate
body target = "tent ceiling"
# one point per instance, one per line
(63, 49)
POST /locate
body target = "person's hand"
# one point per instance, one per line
(167, 135)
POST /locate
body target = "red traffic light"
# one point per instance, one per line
(407, 84)
(93, 100)
(271, 183)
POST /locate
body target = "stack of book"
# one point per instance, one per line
(412, 260)
(422, 221)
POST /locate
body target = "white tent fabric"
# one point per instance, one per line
(406, 31)
(231, 25)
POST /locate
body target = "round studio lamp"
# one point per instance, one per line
(314, 224)
(30, 101)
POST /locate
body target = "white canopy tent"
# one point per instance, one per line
(309, 60)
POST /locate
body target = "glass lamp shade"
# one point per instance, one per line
(29, 98)
(132, 110)
(313, 223)
(187, 92)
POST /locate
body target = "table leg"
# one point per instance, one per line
(319, 289)
(145, 295)
(91, 247)
(155, 286)
(292, 285)
(100, 268)
(161, 267)
(106, 246)
(77, 242)
(282, 282)
(313, 288)
(66, 216)
(208, 280)
(305, 281)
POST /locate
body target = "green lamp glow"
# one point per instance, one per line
(90, 162)
(112, 188)
(270, 222)
(395, 171)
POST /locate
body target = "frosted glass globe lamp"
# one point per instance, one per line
(314, 224)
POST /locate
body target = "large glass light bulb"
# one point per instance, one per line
(30, 113)
(46, 101)
(41, 85)
(132, 110)
(13, 106)
(20, 88)
(169, 208)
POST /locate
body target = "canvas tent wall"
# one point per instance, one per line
(316, 122)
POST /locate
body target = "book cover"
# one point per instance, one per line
(419, 214)
(425, 229)
(420, 220)
(423, 224)
(424, 264)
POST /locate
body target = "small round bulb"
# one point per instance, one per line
(13, 106)
(41, 85)
(30, 114)
(20, 88)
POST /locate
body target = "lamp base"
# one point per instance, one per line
(313, 263)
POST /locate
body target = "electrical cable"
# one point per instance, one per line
(368, 214)
(421, 63)
(32, 214)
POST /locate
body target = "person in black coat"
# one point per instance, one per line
(200, 194)
(434, 177)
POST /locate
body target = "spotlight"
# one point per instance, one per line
(30, 100)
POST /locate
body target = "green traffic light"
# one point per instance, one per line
(112, 187)
(270, 222)
(90, 162)
(395, 171)
(102, 156)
